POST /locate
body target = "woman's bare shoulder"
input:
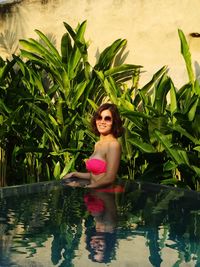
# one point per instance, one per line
(115, 144)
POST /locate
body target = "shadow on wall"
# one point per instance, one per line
(13, 24)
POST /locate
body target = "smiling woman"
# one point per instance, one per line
(103, 164)
(104, 122)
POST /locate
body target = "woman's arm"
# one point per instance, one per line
(81, 175)
(113, 160)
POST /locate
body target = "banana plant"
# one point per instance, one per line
(58, 87)
(47, 98)
(162, 125)
(6, 111)
(184, 125)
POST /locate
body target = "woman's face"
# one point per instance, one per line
(98, 245)
(104, 122)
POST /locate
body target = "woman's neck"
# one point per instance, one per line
(106, 137)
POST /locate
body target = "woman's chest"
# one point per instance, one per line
(100, 151)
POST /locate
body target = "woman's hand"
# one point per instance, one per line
(69, 175)
(74, 184)
(90, 186)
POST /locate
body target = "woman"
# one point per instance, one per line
(103, 164)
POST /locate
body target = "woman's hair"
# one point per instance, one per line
(110, 239)
(117, 128)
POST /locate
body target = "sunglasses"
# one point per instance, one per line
(106, 118)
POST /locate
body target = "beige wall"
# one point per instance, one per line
(150, 26)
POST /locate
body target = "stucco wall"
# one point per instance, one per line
(150, 26)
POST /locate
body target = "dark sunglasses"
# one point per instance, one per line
(106, 118)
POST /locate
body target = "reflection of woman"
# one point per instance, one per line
(103, 164)
(101, 239)
(102, 207)
(101, 246)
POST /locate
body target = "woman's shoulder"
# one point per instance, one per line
(108, 144)
(115, 144)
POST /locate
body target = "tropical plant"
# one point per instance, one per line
(51, 98)
(162, 136)
(47, 99)
(6, 79)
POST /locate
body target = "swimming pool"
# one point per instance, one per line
(48, 224)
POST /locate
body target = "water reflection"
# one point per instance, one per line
(101, 239)
(75, 227)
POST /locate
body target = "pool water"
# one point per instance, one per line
(147, 225)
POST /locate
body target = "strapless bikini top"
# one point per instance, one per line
(96, 166)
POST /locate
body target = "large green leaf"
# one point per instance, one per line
(66, 47)
(154, 79)
(125, 105)
(59, 111)
(192, 111)
(182, 131)
(5, 69)
(70, 30)
(196, 169)
(54, 139)
(80, 32)
(173, 181)
(68, 167)
(158, 122)
(185, 51)
(77, 93)
(33, 57)
(173, 101)
(79, 50)
(107, 56)
(48, 44)
(4, 108)
(57, 170)
(144, 147)
(162, 89)
(121, 69)
(135, 117)
(173, 153)
(35, 47)
(197, 87)
(133, 114)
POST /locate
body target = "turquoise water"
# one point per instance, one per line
(146, 225)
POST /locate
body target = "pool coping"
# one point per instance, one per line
(23, 189)
(158, 187)
(48, 186)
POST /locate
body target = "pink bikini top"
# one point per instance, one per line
(96, 166)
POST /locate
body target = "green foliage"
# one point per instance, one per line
(162, 139)
(46, 104)
(47, 99)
